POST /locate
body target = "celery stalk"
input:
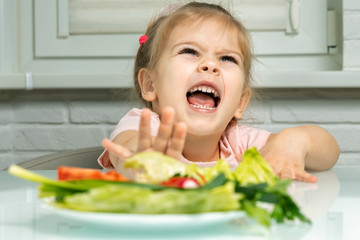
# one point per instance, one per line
(34, 177)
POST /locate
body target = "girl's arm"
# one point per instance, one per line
(293, 150)
(130, 142)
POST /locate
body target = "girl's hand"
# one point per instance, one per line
(286, 153)
(287, 165)
(170, 138)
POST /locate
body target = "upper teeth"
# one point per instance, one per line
(205, 89)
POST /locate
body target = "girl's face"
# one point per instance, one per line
(200, 74)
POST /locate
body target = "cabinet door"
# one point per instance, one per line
(103, 28)
(98, 39)
(53, 38)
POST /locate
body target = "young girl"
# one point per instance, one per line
(193, 70)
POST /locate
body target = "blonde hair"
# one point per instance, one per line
(160, 29)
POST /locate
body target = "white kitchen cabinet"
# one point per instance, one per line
(104, 28)
(99, 38)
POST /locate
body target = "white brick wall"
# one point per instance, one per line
(40, 112)
(98, 112)
(337, 110)
(42, 123)
(351, 33)
(347, 131)
(315, 111)
(39, 122)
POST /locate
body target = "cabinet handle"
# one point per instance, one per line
(293, 8)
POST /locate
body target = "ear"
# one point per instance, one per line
(244, 100)
(147, 85)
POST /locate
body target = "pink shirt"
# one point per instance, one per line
(235, 140)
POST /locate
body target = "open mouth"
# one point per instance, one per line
(203, 97)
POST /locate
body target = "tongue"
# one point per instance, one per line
(201, 99)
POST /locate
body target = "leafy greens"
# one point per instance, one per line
(252, 187)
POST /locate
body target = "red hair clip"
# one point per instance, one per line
(143, 39)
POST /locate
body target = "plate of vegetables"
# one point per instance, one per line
(165, 192)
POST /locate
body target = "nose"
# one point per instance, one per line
(209, 66)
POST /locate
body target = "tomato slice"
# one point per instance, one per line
(75, 173)
(181, 182)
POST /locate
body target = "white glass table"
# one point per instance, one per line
(333, 204)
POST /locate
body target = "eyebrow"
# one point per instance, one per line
(224, 50)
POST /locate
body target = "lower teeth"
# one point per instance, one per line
(203, 107)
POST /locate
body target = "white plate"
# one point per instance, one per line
(150, 221)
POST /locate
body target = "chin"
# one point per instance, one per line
(203, 130)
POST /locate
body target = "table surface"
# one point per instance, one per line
(332, 203)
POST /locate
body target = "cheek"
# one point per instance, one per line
(177, 74)
(235, 81)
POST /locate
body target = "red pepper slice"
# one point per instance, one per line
(75, 173)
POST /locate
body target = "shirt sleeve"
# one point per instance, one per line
(238, 138)
(130, 121)
(253, 137)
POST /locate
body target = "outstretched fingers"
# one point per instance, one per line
(170, 138)
(178, 140)
(116, 149)
(165, 130)
(305, 177)
(285, 173)
(301, 175)
(145, 139)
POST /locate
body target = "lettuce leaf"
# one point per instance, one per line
(256, 180)
(154, 167)
(210, 173)
(130, 199)
(254, 169)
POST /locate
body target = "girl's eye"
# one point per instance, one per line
(229, 59)
(188, 51)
